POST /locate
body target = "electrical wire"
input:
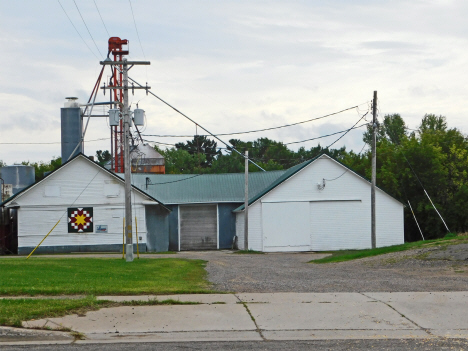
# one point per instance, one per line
(101, 18)
(257, 130)
(176, 181)
(191, 120)
(138, 35)
(54, 142)
(293, 142)
(77, 30)
(353, 127)
(347, 170)
(327, 135)
(157, 142)
(136, 29)
(87, 28)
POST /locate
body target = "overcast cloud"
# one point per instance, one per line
(234, 66)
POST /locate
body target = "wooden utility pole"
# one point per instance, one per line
(374, 167)
(128, 176)
(127, 121)
(246, 202)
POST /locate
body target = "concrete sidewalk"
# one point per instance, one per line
(276, 316)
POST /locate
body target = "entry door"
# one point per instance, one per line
(286, 226)
(198, 227)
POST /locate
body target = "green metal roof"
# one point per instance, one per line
(204, 188)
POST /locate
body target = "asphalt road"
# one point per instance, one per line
(336, 345)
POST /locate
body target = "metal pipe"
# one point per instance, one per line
(416, 220)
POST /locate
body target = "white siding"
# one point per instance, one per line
(286, 226)
(255, 228)
(339, 213)
(82, 184)
(240, 230)
(339, 226)
(389, 220)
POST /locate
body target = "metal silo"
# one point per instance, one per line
(19, 176)
(72, 128)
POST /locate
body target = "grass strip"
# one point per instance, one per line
(348, 255)
(14, 311)
(101, 276)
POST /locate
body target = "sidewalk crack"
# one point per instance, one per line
(258, 330)
(426, 330)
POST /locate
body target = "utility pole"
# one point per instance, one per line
(246, 202)
(127, 164)
(128, 175)
(374, 167)
(1, 190)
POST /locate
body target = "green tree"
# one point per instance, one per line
(179, 161)
(201, 145)
(393, 128)
(431, 122)
(436, 160)
(103, 157)
(41, 168)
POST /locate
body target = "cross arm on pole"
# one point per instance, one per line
(110, 62)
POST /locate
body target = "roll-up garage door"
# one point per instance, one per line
(198, 227)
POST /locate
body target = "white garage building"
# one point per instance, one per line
(319, 205)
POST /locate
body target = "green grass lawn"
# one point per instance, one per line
(347, 255)
(96, 276)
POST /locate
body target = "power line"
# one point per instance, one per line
(77, 30)
(191, 120)
(176, 181)
(157, 142)
(293, 142)
(353, 127)
(136, 29)
(330, 180)
(258, 130)
(87, 28)
(53, 142)
(101, 18)
(327, 135)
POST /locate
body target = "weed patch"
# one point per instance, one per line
(14, 311)
(347, 255)
(249, 252)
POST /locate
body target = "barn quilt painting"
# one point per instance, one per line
(80, 220)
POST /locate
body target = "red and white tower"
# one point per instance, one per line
(117, 132)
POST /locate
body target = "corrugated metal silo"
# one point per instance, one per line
(72, 127)
(19, 176)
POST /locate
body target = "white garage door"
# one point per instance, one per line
(286, 226)
(339, 225)
(198, 227)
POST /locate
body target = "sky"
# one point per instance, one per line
(232, 66)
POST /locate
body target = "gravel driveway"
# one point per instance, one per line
(434, 269)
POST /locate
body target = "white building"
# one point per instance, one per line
(79, 186)
(319, 205)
